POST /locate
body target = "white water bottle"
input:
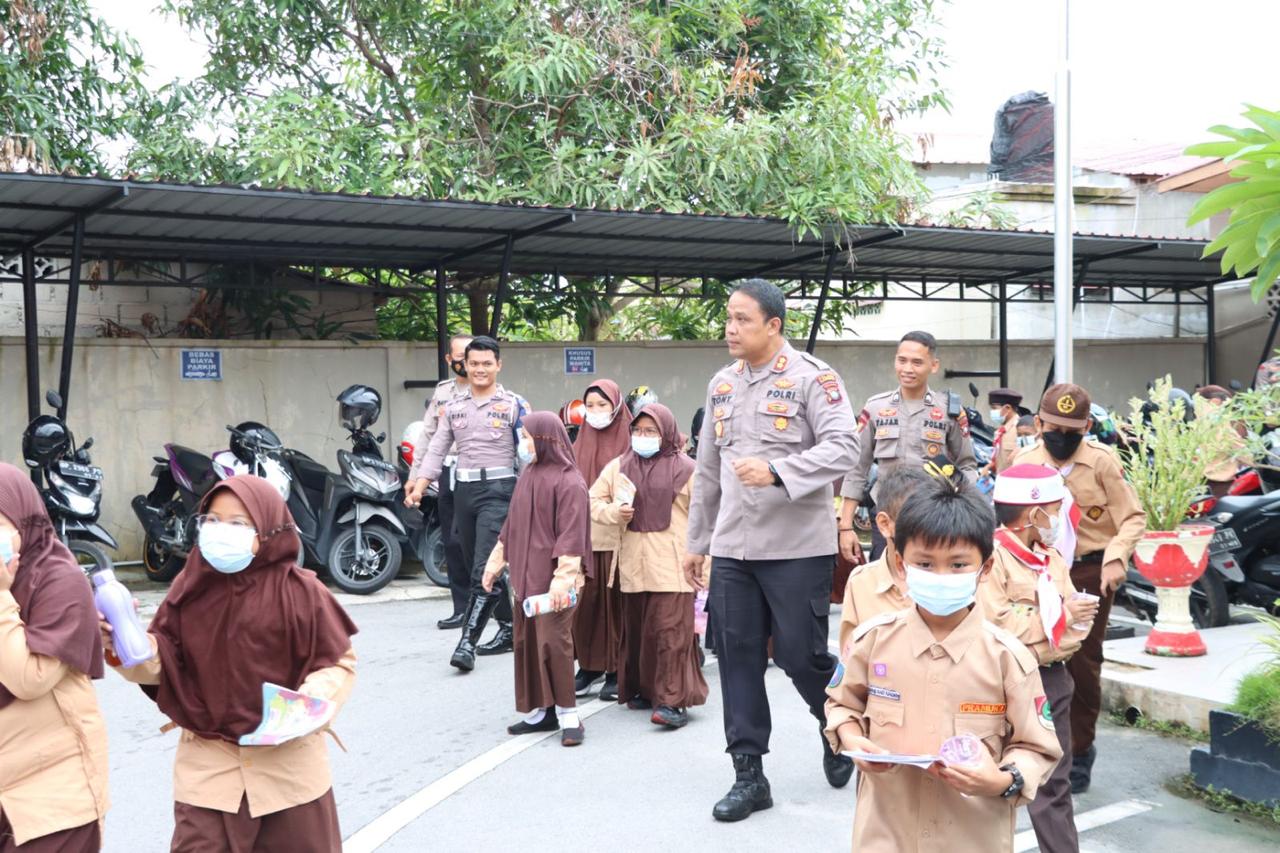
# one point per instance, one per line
(539, 604)
(116, 603)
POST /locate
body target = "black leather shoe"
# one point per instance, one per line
(838, 768)
(573, 736)
(750, 791)
(609, 692)
(549, 723)
(1082, 770)
(478, 609)
(452, 622)
(674, 718)
(585, 680)
(501, 642)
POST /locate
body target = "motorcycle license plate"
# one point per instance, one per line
(84, 472)
(1224, 541)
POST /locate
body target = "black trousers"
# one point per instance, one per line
(479, 510)
(458, 567)
(753, 600)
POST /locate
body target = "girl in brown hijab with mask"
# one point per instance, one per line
(597, 623)
(53, 745)
(658, 663)
(241, 614)
(544, 541)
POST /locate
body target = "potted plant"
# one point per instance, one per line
(1243, 758)
(1171, 440)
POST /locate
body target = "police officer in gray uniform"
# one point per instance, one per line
(483, 422)
(777, 433)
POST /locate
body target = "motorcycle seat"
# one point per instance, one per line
(311, 474)
(1242, 503)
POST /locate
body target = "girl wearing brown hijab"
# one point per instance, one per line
(597, 623)
(544, 541)
(53, 745)
(658, 663)
(242, 613)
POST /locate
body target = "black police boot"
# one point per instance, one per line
(478, 609)
(501, 642)
(839, 768)
(750, 791)
(1082, 770)
(452, 622)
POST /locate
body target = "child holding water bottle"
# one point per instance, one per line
(546, 546)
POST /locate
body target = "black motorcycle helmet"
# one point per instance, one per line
(46, 439)
(247, 435)
(359, 407)
(640, 396)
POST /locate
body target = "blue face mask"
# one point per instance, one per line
(526, 455)
(941, 595)
(226, 547)
(646, 445)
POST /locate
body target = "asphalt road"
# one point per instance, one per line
(430, 767)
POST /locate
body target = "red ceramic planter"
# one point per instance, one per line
(1173, 560)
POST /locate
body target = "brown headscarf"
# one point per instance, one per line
(550, 512)
(659, 478)
(596, 448)
(54, 599)
(222, 635)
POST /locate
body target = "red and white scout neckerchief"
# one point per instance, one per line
(1052, 614)
(995, 450)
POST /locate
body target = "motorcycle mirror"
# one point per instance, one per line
(88, 442)
(973, 389)
(53, 398)
(1235, 385)
(382, 436)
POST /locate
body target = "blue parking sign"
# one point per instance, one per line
(202, 365)
(579, 360)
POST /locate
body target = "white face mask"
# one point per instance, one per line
(526, 452)
(1026, 441)
(1048, 535)
(997, 417)
(646, 445)
(599, 420)
(227, 547)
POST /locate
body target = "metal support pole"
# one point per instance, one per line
(1266, 347)
(32, 344)
(442, 326)
(1063, 201)
(1210, 337)
(822, 302)
(73, 308)
(1003, 319)
(500, 296)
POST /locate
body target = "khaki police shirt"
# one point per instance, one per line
(1009, 596)
(869, 592)
(908, 692)
(431, 418)
(794, 413)
(483, 430)
(895, 431)
(1111, 520)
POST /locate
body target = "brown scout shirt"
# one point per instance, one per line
(907, 692)
(431, 418)
(1006, 446)
(483, 432)
(895, 431)
(794, 414)
(646, 562)
(1009, 598)
(1111, 520)
(869, 592)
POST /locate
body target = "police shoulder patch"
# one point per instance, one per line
(864, 628)
(1026, 660)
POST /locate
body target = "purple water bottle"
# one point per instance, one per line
(116, 603)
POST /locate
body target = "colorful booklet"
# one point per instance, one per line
(288, 715)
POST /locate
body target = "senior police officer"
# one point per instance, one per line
(483, 422)
(778, 431)
(905, 426)
(1110, 524)
(459, 570)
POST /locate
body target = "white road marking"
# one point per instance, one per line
(1091, 819)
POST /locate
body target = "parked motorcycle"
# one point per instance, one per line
(425, 537)
(73, 491)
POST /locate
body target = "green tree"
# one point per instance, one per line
(781, 108)
(68, 84)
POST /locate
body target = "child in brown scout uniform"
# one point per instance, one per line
(917, 677)
(1029, 594)
(872, 588)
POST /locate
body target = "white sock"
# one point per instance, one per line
(536, 716)
(568, 717)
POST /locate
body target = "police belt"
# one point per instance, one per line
(481, 475)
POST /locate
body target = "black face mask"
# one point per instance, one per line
(1061, 445)
(459, 367)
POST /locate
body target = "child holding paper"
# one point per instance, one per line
(919, 676)
(645, 493)
(241, 614)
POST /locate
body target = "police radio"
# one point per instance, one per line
(955, 405)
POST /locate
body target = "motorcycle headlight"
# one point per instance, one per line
(76, 502)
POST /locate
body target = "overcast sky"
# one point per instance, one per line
(1157, 70)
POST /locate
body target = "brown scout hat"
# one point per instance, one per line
(1065, 405)
(1004, 397)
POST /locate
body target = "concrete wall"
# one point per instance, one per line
(127, 394)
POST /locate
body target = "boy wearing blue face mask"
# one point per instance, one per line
(935, 670)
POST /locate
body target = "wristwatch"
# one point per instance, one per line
(777, 480)
(1015, 788)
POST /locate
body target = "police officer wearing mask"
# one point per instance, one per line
(483, 421)
(1100, 534)
(778, 431)
(459, 571)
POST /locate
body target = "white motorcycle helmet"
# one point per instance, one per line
(409, 440)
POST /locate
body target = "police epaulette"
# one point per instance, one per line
(815, 361)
